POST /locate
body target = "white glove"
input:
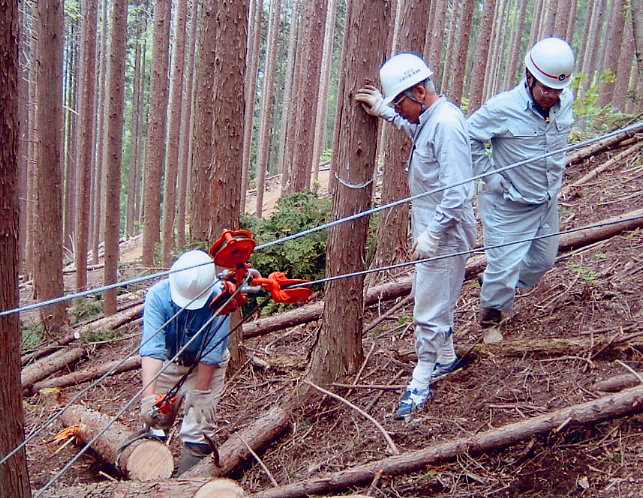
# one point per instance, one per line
(371, 100)
(426, 246)
(204, 405)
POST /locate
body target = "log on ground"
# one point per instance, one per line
(618, 383)
(143, 460)
(234, 452)
(75, 378)
(46, 366)
(607, 407)
(168, 488)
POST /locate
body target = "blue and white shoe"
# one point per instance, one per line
(412, 399)
(444, 368)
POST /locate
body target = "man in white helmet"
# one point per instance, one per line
(175, 311)
(443, 222)
(526, 122)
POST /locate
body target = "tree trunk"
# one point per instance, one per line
(449, 58)
(228, 106)
(45, 367)
(202, 150)
(464, 35)
(85, 136)
(568, 32)
(143, 460)
(592, 51)
(605, 408)
(114, 154)
(13, 473)
(618, 383)
(637, 25)
(263, 138)
(255, 16)
(337, 353)
(536, 18)
(175, 117)
(515, 49)
(625, 69)
(434, 39)
(186, 132)
(481, 56)
(48, 279)
(305, 90)
(612, 52)
(156, 131)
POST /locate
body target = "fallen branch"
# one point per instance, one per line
(402, 287)
(595, 148)
(604, 408)
(388, 439)
(143, 460)
(618, 383)
(52, 363)
(75, 378)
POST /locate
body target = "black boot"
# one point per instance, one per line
(191, 454)
(489, 317)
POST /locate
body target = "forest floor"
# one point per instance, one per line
(593, 292)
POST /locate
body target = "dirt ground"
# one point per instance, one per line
(593, 292)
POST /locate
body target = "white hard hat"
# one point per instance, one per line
(551, 61)
(192, 287)
(401, 72)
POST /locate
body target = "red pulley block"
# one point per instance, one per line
(233, 248)
(229, 288)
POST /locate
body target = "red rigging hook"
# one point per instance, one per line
(275, 284)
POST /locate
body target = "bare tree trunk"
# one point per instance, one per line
(305, 90)
(51, 364)
(464, 34)
(202, 149)
(626, 66)
(255, 16)
(156, 130)
(85, 146)
(285, 127)
(13, 473)
(538, 10)
(549, 25)
(481, 56)
(70, 73)
(449, 57)
(48, 275)
(114, 154)
(637, 25)
(174, 127)
(612, 51)
(263, 138)
(186, 131)
(591, 49)
(338, 349)
(435, 36)
(324, 88)
(567, 30)
(515, 50)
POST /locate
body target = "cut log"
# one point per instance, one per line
(601, 145)
(75, 378)
(133, 311)
(143, 460)
(46, 366)
(402, 287)
(234, 452)
(617, 383)
(604, 408)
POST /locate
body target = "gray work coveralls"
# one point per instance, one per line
(440, 156)
(519, 203)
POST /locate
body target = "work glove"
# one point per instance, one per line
(426, 245)
(494, 183)
(203, 404)
(371, 100)
(159, 420)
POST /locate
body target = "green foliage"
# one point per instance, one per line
(32, 336)
(592, 119)
(87, 309)
(586, 274)
(327, 155)
(304, 257)
(100, 335)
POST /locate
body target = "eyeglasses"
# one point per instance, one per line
(396, 103)
(545, 90)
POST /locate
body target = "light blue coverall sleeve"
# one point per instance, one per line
(154, 317)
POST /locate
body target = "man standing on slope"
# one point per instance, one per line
(443, 222)
(521, 203)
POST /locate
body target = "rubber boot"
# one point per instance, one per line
(191, 454)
